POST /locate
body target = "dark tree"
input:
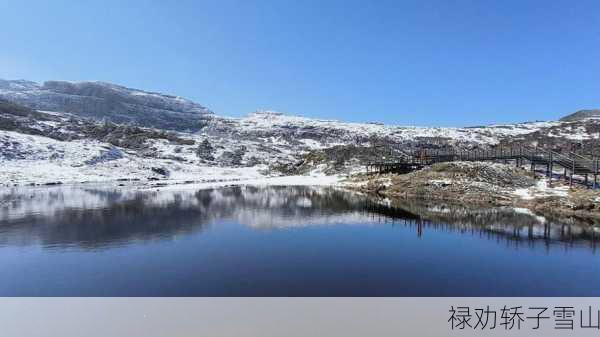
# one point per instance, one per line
(205, 151)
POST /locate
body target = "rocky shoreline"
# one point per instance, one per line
(486, 184)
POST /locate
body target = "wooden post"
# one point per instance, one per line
(572, 171)
(571, 179)
(595, 171)
(551, 168)
(521, 155)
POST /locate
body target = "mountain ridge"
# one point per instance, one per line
(124, 133)
(581, 114)
(117, 103)
(107, 101)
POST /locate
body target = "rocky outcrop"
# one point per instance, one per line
(486, 184)
(105, 101)
(462, 182)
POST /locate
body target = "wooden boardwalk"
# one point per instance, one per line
(571, 164)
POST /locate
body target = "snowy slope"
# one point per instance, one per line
(60, 145)
(28, 159)
(106, 101)
(316, 131)
(266, 139)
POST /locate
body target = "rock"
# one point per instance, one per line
(161, 171)
(112, 154)
(106, 101)
(584, 206)
(468, 182)
(234, 158)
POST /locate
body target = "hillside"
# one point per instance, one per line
(93, 131)
(106, 101)
(582, 114)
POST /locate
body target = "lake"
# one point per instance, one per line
(280, 241)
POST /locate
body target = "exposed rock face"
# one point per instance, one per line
(582, 114)
(105, 101)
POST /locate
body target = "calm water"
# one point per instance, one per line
(280, 241)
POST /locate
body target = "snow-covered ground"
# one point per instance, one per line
(542, 189)
(42, 160)
(266, 138)
(262, 141)
(269, 121)
(39, 160)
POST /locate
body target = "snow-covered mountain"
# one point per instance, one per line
(318, 133)
(63, 136)
(582, 114)
(106, 101)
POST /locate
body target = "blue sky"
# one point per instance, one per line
(446, 63)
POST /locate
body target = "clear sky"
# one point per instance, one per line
(446, 63)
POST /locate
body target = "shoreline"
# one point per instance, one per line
(518, 189)
(554, 211)
(556, 202)
(292, 180)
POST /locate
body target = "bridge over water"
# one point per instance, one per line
(572, 164)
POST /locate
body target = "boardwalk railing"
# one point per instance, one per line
(572, 163)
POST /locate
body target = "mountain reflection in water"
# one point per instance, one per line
(280, 241)
(102, 217)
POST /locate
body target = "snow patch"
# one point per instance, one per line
(541, 189)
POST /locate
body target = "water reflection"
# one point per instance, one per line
(514, 226)
(280, 241)
(101, 217)
(98, 217)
